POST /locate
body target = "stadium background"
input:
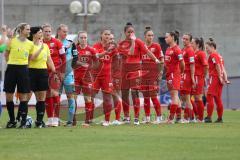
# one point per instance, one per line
(219, 19)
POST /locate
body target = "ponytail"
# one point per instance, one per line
(175, 34)
(212, 43)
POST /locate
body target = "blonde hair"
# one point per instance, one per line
(59, 28)
(20, 27)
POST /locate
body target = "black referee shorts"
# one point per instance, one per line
(38, 79)
(17, 75)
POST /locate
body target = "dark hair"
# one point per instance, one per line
(189, 35)
(34, 30)
(128, 25)
(211, 43)
(103, 30)
(175, 34)
(199, 42)
(147, 28)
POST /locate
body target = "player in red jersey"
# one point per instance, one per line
(103, 72)
(187, 79)
(201, 70)
(83, 63)
(216, 82)
(58, 56)
(174, 64)
(132, 48)
(116, 63)
(153, 74)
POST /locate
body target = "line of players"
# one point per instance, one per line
(117, 69)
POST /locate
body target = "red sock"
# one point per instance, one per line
(88, 110)
(179, 112)
(126, 108)
(92, 111)
(147, 106)
(56, 104)
(219, 107)
(195, 108)
(186, 113)
(210, 106)
(157, 106)
(191, 114)
(173, 109)
(118, 108)
(49, 107)
(107, 107)
(136, 106)
(200, 109)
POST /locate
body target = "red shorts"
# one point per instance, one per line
(150, 87)
(131, 76)
(150, 71)
(83, 86)
(173, 81)
(117, 83)
(214, 86)
(186, 84)
(199, 85)
(102, 83)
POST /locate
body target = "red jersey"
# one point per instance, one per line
(140, 47)
(172, 58)
(105, 60)
(188, 56)
(156, 49)
(57, 52)
(86, 56)
(200, 62)
(213, 60)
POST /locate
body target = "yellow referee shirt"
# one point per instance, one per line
(19, 51)
(41, 61)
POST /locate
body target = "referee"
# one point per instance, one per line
(17, 74)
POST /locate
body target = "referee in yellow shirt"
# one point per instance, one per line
(40, 60)
(17, 73)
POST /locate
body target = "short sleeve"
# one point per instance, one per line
(178, 53)
(191, 56)
(203, 59)
(143, 48)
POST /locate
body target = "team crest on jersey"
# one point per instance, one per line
(167, 58)
(88, 53)
(52, 44)
(170, 52)
(213, 60)
(152, 49)
(26, 54)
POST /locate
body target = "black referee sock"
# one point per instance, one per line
(10, 109)
(40, 108)
(23, 108)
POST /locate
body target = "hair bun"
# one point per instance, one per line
(211, 40)
(177, 32)
(148, 27)
(129, 24)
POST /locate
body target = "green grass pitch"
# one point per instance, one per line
(126, 142)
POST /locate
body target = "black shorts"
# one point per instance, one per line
(17, 75)
(38, 79)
